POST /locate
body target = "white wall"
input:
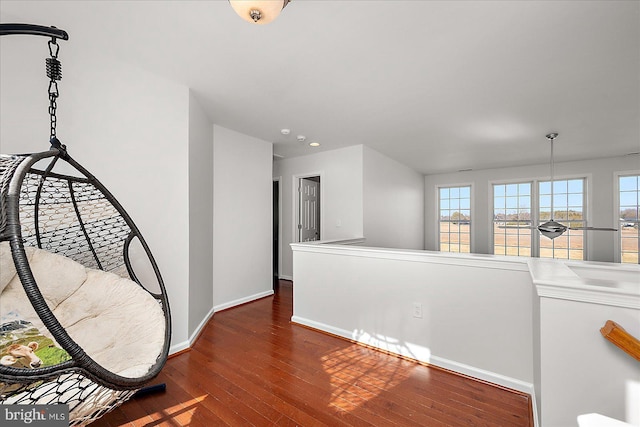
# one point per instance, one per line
(200, 215)
(600, 204)
(582, 372)
(477, 311)
(242, 218)
(127, 126)
(393, 203)
(341, 189)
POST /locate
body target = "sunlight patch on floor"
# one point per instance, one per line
(393, 345)
(176, 415)
(356, 377)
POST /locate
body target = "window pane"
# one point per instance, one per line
(455, 220)
(545, 187)
(628, 200)
(512, 190)
(629, 214)
(559, 201)
(508, 211)
(545, 202)
(568, 209)
(559, 187)
(575, 200)
(524, 189)
(628, 183)
(525, 252)
(575, 185)
(575, 215)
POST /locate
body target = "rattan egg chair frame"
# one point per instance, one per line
(50, 202)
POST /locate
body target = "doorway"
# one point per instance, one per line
(308, 209)
(276, 232)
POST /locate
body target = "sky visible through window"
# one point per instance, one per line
(512, 207)
(568, 209)
(455, 219)
(628, 222)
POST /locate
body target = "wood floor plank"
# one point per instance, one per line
(252, 366)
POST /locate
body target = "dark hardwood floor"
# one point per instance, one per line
(251, 366)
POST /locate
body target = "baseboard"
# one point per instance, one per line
(285, 277)
(177, 348)
(423, 355)
(482, 374)
(184, 345)
(243, 300)
(196, 333)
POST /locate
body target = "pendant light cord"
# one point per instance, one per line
(551, 215)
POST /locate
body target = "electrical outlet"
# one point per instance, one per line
(417, 310)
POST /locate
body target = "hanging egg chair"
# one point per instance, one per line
(84, 315)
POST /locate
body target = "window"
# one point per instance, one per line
(527, 205)
(629, 194)
(512, 207)
(568, 209)
(454, 204)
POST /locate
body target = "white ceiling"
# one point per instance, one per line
(437, 85)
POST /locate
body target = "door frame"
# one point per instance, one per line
(296, 202)
(280, 227)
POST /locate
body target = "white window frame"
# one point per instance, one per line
(616, 211)
(585, 213)
(535, 208)
(471, 214)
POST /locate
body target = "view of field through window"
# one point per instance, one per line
(568, 209)
(455, 219)
(512, 207)
(628, 223)
(518, 208)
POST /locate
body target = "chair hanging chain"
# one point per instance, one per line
(54, 72)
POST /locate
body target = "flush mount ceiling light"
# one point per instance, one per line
(258, 11)
(314, 144)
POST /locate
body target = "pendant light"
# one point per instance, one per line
(258, 11)
(551, 228)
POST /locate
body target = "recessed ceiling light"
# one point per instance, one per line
(314, 144)
(285, 131)
(301, 138)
